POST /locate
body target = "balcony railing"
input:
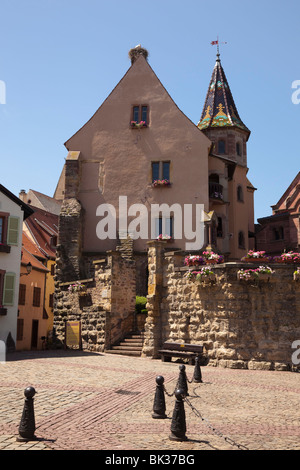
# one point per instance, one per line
(216, 191)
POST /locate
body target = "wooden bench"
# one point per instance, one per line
(184, 350)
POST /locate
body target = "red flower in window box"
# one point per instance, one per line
(138, 125)
(158, 183)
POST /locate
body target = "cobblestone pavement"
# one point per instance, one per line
(88, 401)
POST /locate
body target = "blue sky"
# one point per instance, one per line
(59, 60)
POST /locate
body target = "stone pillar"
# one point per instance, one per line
(153, 336)
(68, 266)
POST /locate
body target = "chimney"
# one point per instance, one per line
(22, 195)
(136, 52)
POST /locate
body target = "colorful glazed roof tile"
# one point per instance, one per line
(219, 108)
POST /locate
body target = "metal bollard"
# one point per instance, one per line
(197, 371)
(182, 380)
(178, 425)
(159, 405)
(27, 424)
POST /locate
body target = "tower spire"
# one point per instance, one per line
(219, 108)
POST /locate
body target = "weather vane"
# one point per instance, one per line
(217, 43)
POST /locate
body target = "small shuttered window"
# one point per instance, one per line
(36, 297)
(13, 231)
(9, 289)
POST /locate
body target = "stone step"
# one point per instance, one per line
(132, 345)
(123, 353)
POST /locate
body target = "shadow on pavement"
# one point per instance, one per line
(51, 353)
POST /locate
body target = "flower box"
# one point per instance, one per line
(256, 257)
(3, 311)
(77, 287)
(194, 260)
(4, 248)
(290, 257)
(212, 258)
(161, 183)
(205, 275)
(164, 238)
(262, 273)
(138, 125)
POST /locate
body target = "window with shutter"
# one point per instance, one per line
(13, 231)
(9, 289)
(20, 329)
(36, 297)
(22, 294)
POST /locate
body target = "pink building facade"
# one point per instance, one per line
(141, 147)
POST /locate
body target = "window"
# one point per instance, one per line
(1, 229)
(2, 274)
(278, 233)
(160, 171)
(238, 149)
(239, 191)
(52, 269)
(36, 297)
(51, 300)
(20, 329)
(164, 226)
(13, 231)
(22, 294)
(221, 146)
(140, 114)
(241, 240)
(220, 227)
(9, 288)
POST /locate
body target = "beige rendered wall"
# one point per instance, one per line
(28, 312)
(116, 159)
(239, 212)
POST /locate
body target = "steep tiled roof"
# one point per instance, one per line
(30, 253)
(219, 109)
(43, 227)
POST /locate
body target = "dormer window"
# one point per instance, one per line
(140, 116)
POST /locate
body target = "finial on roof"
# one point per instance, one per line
(136, 52)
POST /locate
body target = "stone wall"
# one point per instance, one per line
(240, 324)
(106, 306)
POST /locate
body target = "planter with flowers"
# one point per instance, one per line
(77, 287)
(138, 125)
(290, 257)
(297, 275)
(161, 183)
(262, 273)
(166, 238)
(194, 260)
(205, 275)
(212, 258)
(256, 257)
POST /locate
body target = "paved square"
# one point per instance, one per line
(89, 401)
